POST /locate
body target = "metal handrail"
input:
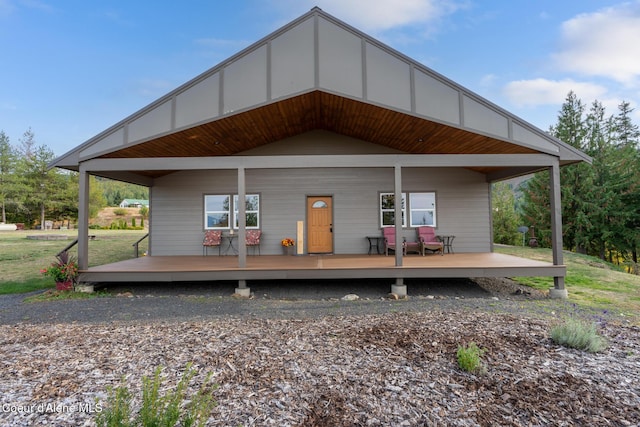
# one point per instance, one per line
(136, 244)
(69, 246)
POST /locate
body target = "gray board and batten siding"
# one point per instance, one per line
(462, 200)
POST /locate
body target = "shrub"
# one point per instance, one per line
(159, 410)
(578, 334)
(469, 358)
(120, 212)
(133, 223)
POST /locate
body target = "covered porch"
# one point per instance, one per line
(278, 267)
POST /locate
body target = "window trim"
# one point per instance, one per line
(206, 212)
(235, 212)
(407, 210)
(232, 213)
(381, 211)
(434, 210)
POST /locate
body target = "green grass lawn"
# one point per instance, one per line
(21, 259)
(590, 281)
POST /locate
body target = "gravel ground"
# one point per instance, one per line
(303, 356)
(162, 301)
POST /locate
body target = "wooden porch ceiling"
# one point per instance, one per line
(236, 133)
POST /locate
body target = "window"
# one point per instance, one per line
(387, 210)
(252, 210)
(217, 211)
(422, 209)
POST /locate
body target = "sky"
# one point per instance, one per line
(70, 69)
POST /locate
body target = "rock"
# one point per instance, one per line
(350, 297)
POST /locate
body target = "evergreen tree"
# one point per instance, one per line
(627, 138)
(504, 216)
(575, 181)
(7, 173)
(39, 184)
(536, 207)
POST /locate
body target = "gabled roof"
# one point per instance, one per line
(318, 73)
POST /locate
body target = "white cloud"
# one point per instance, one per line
(603, 43)
(549, 92)
(381, 15)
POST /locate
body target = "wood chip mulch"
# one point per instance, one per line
(395, 369)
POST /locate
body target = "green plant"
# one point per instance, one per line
(120, 212)
(469, 358)
(133, 223)
(578, 334)
(159, 410)
(144, 211)
(65, 269)
(118, 411)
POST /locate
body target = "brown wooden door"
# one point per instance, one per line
(319, 224)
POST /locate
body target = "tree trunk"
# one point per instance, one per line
(42, 216)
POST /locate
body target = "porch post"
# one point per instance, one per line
(83, 219)
(398, 213)
(558, 291)
(399, 288)
(242, 289)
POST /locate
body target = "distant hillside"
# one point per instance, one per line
(107, 216)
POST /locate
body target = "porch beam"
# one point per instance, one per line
(320, 161)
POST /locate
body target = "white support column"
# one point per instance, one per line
(558, 291)
(83, 219)
(242, 289)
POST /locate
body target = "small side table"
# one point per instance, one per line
(230, 247)
(447, 243)
(374, 242)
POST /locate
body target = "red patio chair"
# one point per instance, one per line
(389, 234)
(212, 238)
(252, 239)
(429, 241)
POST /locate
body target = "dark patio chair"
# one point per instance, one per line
(429, 241)
(252, 239)
(212, 238)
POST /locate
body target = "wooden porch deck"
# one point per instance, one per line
(272, 267)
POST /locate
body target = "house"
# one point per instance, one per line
(134, 203)
(318, 127)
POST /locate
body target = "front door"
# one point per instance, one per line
(319, 224)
